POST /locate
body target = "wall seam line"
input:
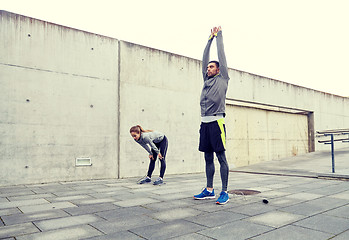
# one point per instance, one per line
(118, 118)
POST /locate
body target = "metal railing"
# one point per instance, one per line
(335, 136)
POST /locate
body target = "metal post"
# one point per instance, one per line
(332, 152)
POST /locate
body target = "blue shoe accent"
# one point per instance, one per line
(223, 198)
(205, 195)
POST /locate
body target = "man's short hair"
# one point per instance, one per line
(215, 62)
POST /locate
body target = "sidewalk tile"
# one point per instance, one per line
(121, 213)
(293, 233)
(78, 232)
(64, 222)
(22, 218)
(117, 236)
(342, 236)
(173, 214)
(46, 207)
(125, 223)
(135, 202)
(191, 236)
(325, 223)
(339, 212)
(167, 230)
(22, 203)
(17, 230)
(31, 196)
(275, 218)
(9, 211)
(239, 229)
(91, 208)
(216, 218)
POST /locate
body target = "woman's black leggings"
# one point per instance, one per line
(162, 146)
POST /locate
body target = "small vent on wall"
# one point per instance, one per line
(83, 162)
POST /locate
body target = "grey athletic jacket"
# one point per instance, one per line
(150, 138)
(212, 100)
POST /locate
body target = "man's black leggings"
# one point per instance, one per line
(162, 146)
(210, 169)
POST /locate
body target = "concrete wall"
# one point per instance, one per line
(58, 91)
(66, 93)
(159, 91)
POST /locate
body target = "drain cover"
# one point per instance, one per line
(243, 192)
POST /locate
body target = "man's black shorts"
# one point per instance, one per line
(212, 136)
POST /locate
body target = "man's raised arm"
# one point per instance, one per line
(223, 67)
(206, 56)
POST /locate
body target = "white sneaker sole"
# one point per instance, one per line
(205, 198)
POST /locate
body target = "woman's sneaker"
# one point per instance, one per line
(158, 181)
(145, 180)
(223, 198)
(205, 194)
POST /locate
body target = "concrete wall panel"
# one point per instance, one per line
(58, 102)
(160, 91)
(256, 135)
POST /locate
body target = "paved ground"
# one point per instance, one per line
(301, 206)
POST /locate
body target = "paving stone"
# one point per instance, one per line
(69, 198)
(339, 212)
(64, 222)
(63, 193)
(17, 230)
(31, 196)
(22, 218)
(9, 211)
(91, 208)
(293, 233)
(173, 214)
(117, 236)
(77, 232)
(342, 236)
(329, 190)
(342, 195)
(325, 223)
(135, 202)
(191, 236)
(169, 205)
(216, 218)
(167, 230)
(120, 213)
(238, 229)
(109, 189)
(275, 218)
(93, 201)
(274, 194)
(15, 192)
(22, 203)
(125, 223)
(46, 207)
(316, 206)
(284, 202)
(305, 196)
(253, 208)
(170, 197)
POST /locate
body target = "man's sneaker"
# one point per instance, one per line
(223, 198)
(158, 181)
(145, 180)
(205, 194)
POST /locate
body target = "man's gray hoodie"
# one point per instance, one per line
(212, 100)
